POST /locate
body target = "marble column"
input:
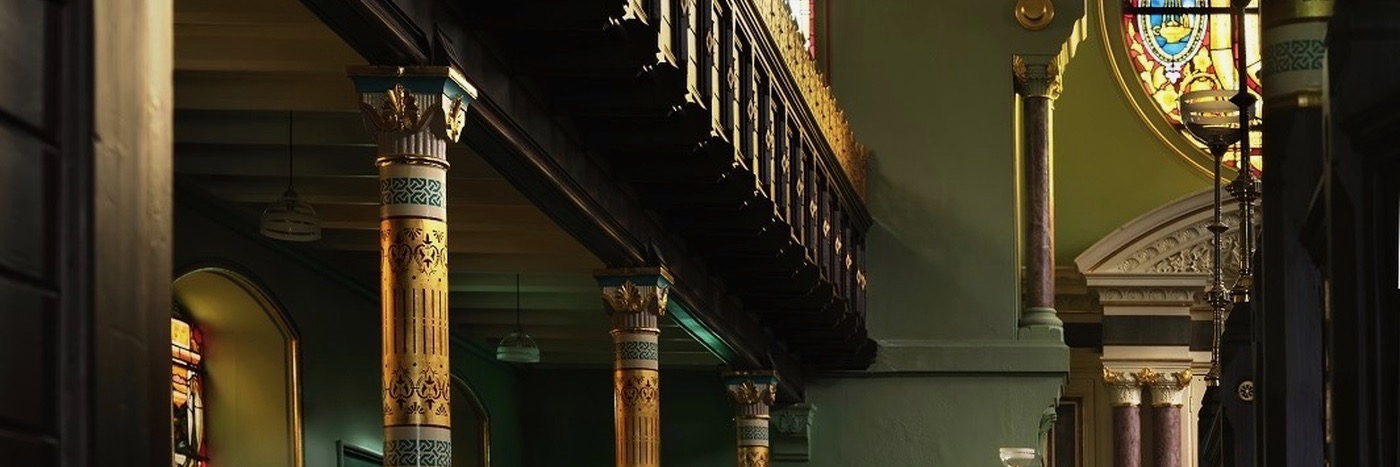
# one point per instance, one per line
(414, 113)
(753, 394)
(636, 300)
(1125, 394)
(1038, 83)
(1168, 392)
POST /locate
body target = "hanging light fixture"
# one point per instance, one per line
(518, 347)
(1211, 117)
(290, 218)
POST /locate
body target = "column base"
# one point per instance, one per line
(1041, 323)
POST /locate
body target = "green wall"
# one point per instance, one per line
(339, 337)
(1109, 167)
(569, 418)
(929, 89)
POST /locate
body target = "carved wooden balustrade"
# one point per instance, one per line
(712, 111)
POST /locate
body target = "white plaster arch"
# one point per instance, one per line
(1163, 255)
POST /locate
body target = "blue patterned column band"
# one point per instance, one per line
(412, 190)
(414, 113)
(636, 299)
(754, 394)
(1293, 51)
(418, 447)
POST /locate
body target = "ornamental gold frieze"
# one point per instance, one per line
(777, 18)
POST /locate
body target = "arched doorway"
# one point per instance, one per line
(248, 357)
(471, 427)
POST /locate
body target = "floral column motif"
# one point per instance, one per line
(414, 114)
(1125, 393)
(1038, 83)
(1168, 394)
(753, 393)
(636, 300)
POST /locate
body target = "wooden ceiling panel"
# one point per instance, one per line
(248, 71)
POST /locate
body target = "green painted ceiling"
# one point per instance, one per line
(1109, 167)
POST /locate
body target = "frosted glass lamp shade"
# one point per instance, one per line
(1017, 457)
(1211, 117)
(518, 347)
(290, 219)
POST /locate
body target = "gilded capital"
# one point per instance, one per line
(1037, 76)
(418, 105)
(1124, 388)
(748, 393)
(1168, 389)
(632, 298)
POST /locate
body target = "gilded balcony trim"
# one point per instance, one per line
(831, 119)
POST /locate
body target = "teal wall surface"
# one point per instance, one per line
(339, 336)
(569, 418)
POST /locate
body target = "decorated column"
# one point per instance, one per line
(1125, 394)
(636, 300)
(1168, 396)
(1038, 83)
(414, 114)
(753, 393)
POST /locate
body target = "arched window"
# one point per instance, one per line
(804, 12)
(1162, 49)
(187, 391)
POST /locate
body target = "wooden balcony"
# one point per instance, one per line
(716, 117)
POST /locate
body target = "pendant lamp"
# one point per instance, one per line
(518, 347)
(290, 218)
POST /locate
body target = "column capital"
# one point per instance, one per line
(1037, 75)
(752, 387)
(403, 102)
(635, 291)
(1168, 389)
(1124, 388)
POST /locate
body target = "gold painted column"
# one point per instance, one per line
(753, 393)
(636, 300)
(1125, 394)
(1038, 83)
(1168, 396)
(414, 113)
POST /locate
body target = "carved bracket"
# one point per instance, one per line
(792, 429)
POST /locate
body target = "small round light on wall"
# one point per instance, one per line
(518, 347)
(290, 218)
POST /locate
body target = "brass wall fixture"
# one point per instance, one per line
(1035, 15)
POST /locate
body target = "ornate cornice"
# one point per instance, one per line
(1038, 77)
(1168, 389)
(1170, 240)
(1144, 295)
(831, 119)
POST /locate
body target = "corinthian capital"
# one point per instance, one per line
(1037, 76)
(1168, 389)
(1124, 389)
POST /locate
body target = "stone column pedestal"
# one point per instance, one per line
(636, 299)
(414, 113)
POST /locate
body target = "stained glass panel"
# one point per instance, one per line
(187, 395)
(1174, 53)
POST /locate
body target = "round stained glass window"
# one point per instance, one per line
(1162, 49)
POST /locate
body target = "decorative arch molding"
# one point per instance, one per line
(471, 404)
(220, 298)
(1163, 256)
